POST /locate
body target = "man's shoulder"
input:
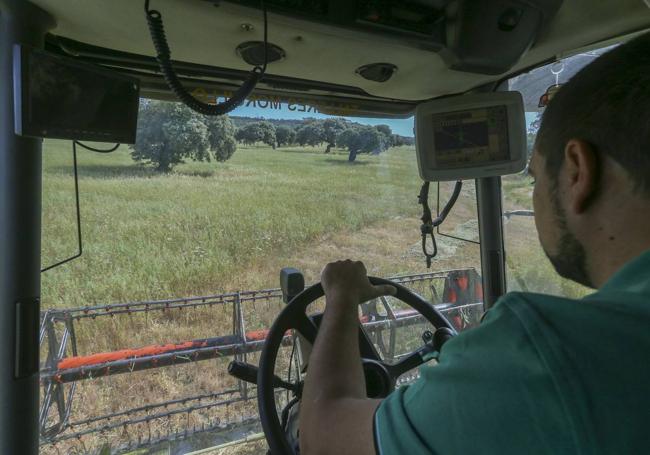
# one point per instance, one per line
(513, 300)
(562, 314)
(508, 338)
(531, 308)
(589, 346)
(518, 311)
(541, 327)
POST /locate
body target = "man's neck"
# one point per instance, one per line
(621, 239)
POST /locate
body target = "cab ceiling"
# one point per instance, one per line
(198, 32)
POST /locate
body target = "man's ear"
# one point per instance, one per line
(582, 172)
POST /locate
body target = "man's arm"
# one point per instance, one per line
(335, 415)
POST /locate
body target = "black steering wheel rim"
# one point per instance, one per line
(295, 311)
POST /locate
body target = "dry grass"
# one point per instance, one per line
(389, 245)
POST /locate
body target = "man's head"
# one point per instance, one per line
(592, 161)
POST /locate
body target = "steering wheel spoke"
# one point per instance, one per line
(305, 326)
(366, 347)
(411, 361)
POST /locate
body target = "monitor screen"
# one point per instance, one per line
(470, 136)
(66, 99)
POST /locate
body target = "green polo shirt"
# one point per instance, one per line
(540, 375)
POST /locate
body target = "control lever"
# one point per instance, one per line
(438, 338)
(247, 372)
(433, 342)
(292, 283)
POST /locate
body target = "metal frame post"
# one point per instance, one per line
(240, 332)
(54, 391)
(490, 222)
(20, 243)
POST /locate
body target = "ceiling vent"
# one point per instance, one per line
(377, 72)
(253, 52)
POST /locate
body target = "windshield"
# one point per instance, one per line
(184, 237)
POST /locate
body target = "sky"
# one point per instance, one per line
(403, 127)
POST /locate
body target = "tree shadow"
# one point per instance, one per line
(106, 171)
(346, 162)
(301, 151)
(204, 174)
(116, 171)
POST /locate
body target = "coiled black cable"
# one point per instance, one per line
(163, 56)
(428, 223)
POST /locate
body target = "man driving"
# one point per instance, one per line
(541, 374)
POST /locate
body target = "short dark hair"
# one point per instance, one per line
(606, 104)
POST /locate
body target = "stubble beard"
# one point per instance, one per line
(571, 260)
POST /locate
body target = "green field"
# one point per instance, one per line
(210, 227)
(202, 228)
(213, 227)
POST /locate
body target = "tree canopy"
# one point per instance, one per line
(221, 135)
(332, 127)
(386, 136)
(285, 135)
(310, 133)
(169, 133)
(364, 139)
(334, 132)
(268, 133)
(257, 132)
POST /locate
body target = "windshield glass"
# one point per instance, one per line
(184, 237)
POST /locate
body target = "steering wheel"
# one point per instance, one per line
(380, 375)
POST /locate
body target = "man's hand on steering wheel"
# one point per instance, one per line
(347, 281)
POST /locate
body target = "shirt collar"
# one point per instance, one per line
(632, 277)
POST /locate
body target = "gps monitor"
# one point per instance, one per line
(471, 136)
(57, 97)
